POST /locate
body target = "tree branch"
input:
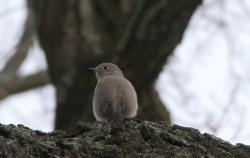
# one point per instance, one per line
(132, 138)
(17, 85)
(23, 46)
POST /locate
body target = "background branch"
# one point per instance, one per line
(10, 83)
(23, 46)
(22, 84)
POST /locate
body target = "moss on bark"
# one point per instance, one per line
(132, 138)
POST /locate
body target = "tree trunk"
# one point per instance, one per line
(137, 35)
(132, 138)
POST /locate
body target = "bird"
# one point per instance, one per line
(115, 98)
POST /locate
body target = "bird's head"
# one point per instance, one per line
(107, 69)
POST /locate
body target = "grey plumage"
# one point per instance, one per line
(114, 97)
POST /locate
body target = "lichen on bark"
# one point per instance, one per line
(131, 138)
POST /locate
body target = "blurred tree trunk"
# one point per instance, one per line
(138, 35)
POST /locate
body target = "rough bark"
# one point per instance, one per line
(132, 138)
(136, 35)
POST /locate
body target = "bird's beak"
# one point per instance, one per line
(94, 69)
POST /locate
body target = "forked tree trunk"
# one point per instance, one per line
(138, 35)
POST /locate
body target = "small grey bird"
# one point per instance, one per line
(114, 97)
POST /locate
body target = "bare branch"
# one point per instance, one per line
(23, 46)
(18, 85)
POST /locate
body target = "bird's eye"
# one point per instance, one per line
(105, 67)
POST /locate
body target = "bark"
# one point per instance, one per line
(136, 35)
(132, 138)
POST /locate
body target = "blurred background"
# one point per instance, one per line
(205, 82)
